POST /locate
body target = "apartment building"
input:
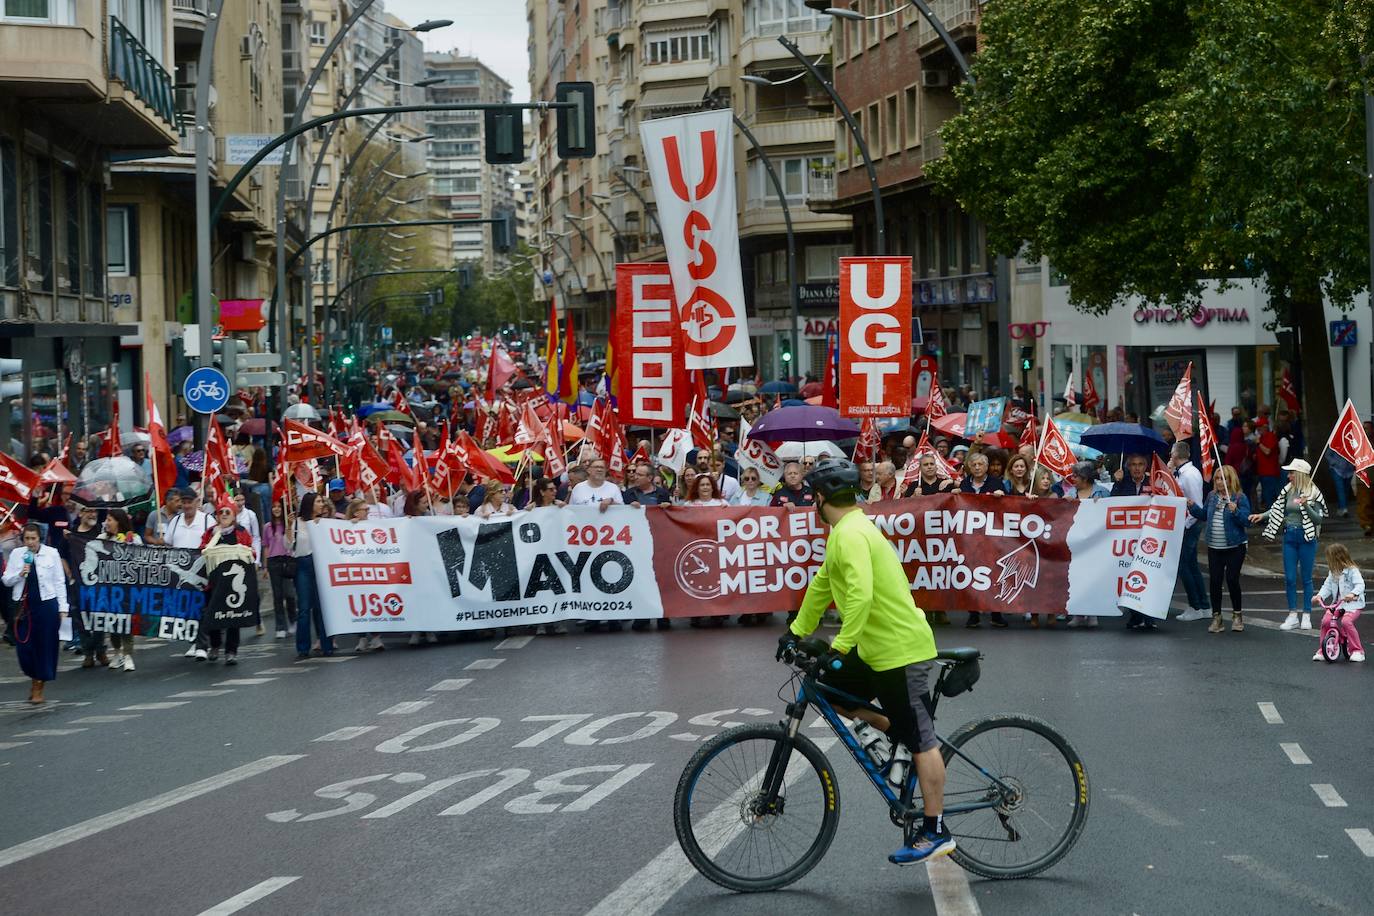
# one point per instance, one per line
(898, 77)
(150, 215)
(672, 57)
(79, 81)
(462, 182)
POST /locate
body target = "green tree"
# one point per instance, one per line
(1146, 146)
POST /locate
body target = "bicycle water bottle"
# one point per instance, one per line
(897, 771)
(869, 739)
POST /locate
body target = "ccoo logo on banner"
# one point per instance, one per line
(691, 162)
(875, 337)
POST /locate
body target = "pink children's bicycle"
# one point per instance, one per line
(1334, 643)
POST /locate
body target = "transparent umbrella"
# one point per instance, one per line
(301, 411)
(112, 483)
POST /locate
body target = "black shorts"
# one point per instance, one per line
(902, 693)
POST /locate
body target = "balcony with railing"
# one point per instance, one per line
(932, 147)
(189, 18)
(960, 19)
(141, 74)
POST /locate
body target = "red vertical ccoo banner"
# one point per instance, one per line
(651, 373)
(875, 337)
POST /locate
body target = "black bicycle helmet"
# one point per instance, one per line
(832, 476)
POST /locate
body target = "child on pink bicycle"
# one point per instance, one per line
(1342, 591)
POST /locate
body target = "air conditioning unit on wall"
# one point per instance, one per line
(934, 79)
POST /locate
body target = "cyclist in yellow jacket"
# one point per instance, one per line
(884, 643)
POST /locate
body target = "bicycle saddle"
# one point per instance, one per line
(961, 654)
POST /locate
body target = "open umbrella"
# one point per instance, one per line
(256, 426)
(811, 389)
(1125, 439)
(748, 388)
(504, 454)
(723, 411)
(195, 461)
(392, 416)
(301, 411)
(714, 393)
(399, 431)
(792, 402)
(368, 410)
(778, 387)
(803, 424)
(737, 397)
(793, 451)
(179, 435)
(135, 437)
(112, 483)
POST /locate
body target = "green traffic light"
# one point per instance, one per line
(787, 357)
(347, 360)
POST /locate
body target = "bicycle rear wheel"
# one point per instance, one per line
(1035, 825)
(717, 809)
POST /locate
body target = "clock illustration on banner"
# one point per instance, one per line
(698, 569)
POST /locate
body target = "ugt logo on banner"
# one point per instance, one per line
(691, 161)
(648, 340)
(875, 336)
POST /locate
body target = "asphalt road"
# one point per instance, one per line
(537, 775)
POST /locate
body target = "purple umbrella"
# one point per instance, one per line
(179, 435)
(803, 424)
(195, 461)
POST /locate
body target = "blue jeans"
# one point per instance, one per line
(1269, 490)
(308, 609)
(1342, 491)
(1298, 557)
(1190, 572)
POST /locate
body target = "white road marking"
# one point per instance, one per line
(326, 659)
(452, 683)
(1146, 810)
(647, 890)
(1270, 713)
(59, 838)
(197, 694)
(1285, 883)
(949, 887)
(9, 745)
(1363, 839)
(244, 682)
(15, 680)
(482, 664)
(1253, 621)
(50, 732)
(142, 706)
(1328, 794)
(283, 671)
(1295, 752)
(347, 733)
(250, 896)
(686, 736)
(514, 642)
(101, 720)
(401, 709)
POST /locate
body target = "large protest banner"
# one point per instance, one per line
(138, 590)
(963, 553)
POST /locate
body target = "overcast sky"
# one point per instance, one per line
(493, 30)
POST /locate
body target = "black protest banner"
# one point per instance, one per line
(232, 599)
(141, 590)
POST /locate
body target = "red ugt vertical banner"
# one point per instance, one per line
(651, 375)
(875, 337)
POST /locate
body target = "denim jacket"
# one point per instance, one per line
(1236, 521)
(1349, 582)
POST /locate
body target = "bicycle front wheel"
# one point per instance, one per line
(1038, 816)
(736, 837)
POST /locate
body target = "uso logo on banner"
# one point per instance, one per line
(692, 164)
(875, 337)
(648, 339)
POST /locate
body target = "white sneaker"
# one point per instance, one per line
(432, 639)
(414, 639)
(1306, 622)
(1290, 622)
(1318, 656)
(1194, 614)
(376, 644)
(201, 655)
(191, 652)
(1357, 656)
(1073, 623)
(281, 634)
(128, 663)
(362, 645)
(117, 663)
(1092, 622)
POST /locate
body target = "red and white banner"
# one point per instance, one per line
(875, 337)
(759, 455)
(1348, 440)
(691, 160)
(961, 552)
(1055, 452)
(1162, 479)
(1178, 413)
(651, 368)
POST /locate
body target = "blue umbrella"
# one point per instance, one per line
(586, 399)
(1124, 439)
(778, 387)
(368, 409)
(792, 402)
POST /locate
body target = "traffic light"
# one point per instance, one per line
(786, 348)
(503, 231)
(1027, 358)
(11, 387)
(227, 352)
(577, 125)
(503, 136)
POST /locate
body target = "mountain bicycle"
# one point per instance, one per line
(757, 807)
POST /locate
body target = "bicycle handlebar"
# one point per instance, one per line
(809, 664)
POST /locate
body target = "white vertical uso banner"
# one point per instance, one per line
(691, 162)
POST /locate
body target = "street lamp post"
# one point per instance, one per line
(204, 76)
(596, 256)
(622, 250)
(620, 173)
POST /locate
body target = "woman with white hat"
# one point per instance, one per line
(1299, 510)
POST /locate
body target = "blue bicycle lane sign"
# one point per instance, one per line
(206, 390)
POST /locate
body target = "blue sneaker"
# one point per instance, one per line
(923, 848)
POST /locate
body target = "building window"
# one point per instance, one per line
(53, 12)
(69, 233)
(9, 217)
(891, 137)
(802, 178)
(823, 261)
(911, 113)
(766, 18)
(319, 34)
(677, 48)
(144, 19)
(119, 247)
(873, 132)
(95, 245)
(325, 178)
(38, 224)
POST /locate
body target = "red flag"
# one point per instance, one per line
(56, 472)
(505, 424)
(65, 455)
(17, 482)
(400, 403)
(163, 460)
(1206, 438)
(866, 449)
(1070, 395)
(362, 468)
(1287, 393)
(338, 428)
(641, 455)
(555, 464)
(1055, 452)
(1178, 413)
(308, 474)
(829, 396)
(530, 430)
(281, 489)
(1349, 440)
(218, 467)
(1091, 400)
(700, 425)
(500, 370)
(1162, 480)
(567, 366)
(1029, 435)
(942, 466)
(421, 461)
(109, 440)
(936, 405)
(482, 463)
(300, 442)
